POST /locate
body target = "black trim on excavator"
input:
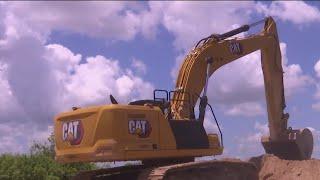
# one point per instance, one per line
(189, 134)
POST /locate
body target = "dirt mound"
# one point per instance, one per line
(231, 169)
(265, 167)
(271, 168)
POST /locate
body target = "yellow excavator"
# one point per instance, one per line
(165, 129)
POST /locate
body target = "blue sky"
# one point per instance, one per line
(66, 54)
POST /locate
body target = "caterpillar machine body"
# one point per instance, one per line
(165, 130)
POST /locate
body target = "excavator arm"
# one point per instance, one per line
(216, 51)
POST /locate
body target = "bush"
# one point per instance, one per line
(38, 164)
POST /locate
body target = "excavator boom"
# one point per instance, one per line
(196, 69)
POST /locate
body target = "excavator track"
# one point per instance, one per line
(227, 169)
(116, 173)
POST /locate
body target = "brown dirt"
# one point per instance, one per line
(231, 169)
(265, 167)
(272, 168)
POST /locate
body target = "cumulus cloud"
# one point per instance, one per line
(16, 138)
(206, 18)
(139, 66)
(251, 143)
(108, 78)
(111, 20)
(30, 78)
(188, 27)
(55, 74)
(239, 84)
(42, 80)
(2, 15)
(37, 80)
(317, 68)
(8, 138)
(316, 140)
(297, 12)
(246, 109)
(316, 105)
(210, 124)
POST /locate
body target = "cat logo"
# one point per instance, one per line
(141, 128)
(72, 132)
(235, 48)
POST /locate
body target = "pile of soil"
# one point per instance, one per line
(265, 167)
(271, 168)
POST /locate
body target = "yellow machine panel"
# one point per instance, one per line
(120, 132)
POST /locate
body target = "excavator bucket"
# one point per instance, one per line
(295, 145)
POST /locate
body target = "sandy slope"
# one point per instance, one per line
(271, 167)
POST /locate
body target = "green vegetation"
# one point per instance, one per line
(39, 164)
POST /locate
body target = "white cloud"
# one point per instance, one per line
(317, 68)
(239, 86)
(151, 18)
(2, 15)
(108, 78)
(37, 81)
(235, 84)
(246, 109)
(112, 20)
(210, 124)
(262, 128)
(40, 81)
(251, 144)
(204, 20)
(297, 12)
(30, 78)
(188, 28)
(139, 66)
(18, 137)
(6, 94)
(316, 105)
(294, 78)
(232, 84)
